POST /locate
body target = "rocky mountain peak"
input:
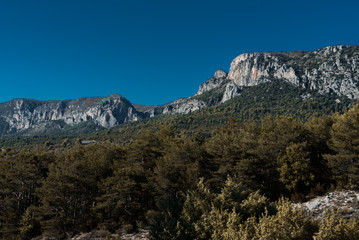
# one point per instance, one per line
(331, 49)
(220, 74)
(116, 96)
(220, 77)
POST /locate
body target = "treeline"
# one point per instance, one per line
(228, 186)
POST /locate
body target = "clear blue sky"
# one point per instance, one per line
(151, 52)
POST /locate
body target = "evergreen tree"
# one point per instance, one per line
(295, 170)
(345, 142)
(20, 175)
(70, 190)
(334, 227)
(124, 196)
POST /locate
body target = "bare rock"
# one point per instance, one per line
(220, 74)
(22, 114)
(232, 90)
(332, 69)
(347, 202)
(220, 78)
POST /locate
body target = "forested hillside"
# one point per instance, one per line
(230, 185)
(274, 98)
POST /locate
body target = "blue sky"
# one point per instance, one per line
(151, 52)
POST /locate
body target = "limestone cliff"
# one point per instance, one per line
(21, 114)
(332, 69)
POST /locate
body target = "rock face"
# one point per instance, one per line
(140, 234)
(184, 106)
(21, 114)
(251, 69)
(232, 90)
(179, 106)
(329, 70)
(220, 78)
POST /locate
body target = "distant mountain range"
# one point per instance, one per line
(331, 71)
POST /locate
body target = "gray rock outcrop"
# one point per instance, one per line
(180, 106)
(347, 202)
(251, 69)
(220, 74)
(232, 90)
(184, 106)
(21, 114)
(332, 69)
(220, 78)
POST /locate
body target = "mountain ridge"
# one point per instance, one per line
(331, 70)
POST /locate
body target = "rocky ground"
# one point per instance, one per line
(140, 234)
(347, 202)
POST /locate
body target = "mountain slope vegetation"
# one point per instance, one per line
(272, 98)
(226, 186)
(226, 163)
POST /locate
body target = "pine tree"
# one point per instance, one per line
(295, 170)
(20, 175)
(345, 142)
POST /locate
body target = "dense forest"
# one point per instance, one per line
(237, 183)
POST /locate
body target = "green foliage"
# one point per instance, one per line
(20, 176)
(185, 186)
(29, 225)
(294, 168)
(70, 189)
(333, 227)
(287, 223)
(216, 216)
(228, 147)
(345, 142)
(114, 191)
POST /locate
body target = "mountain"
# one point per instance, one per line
(23, 114)
(331, 72)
